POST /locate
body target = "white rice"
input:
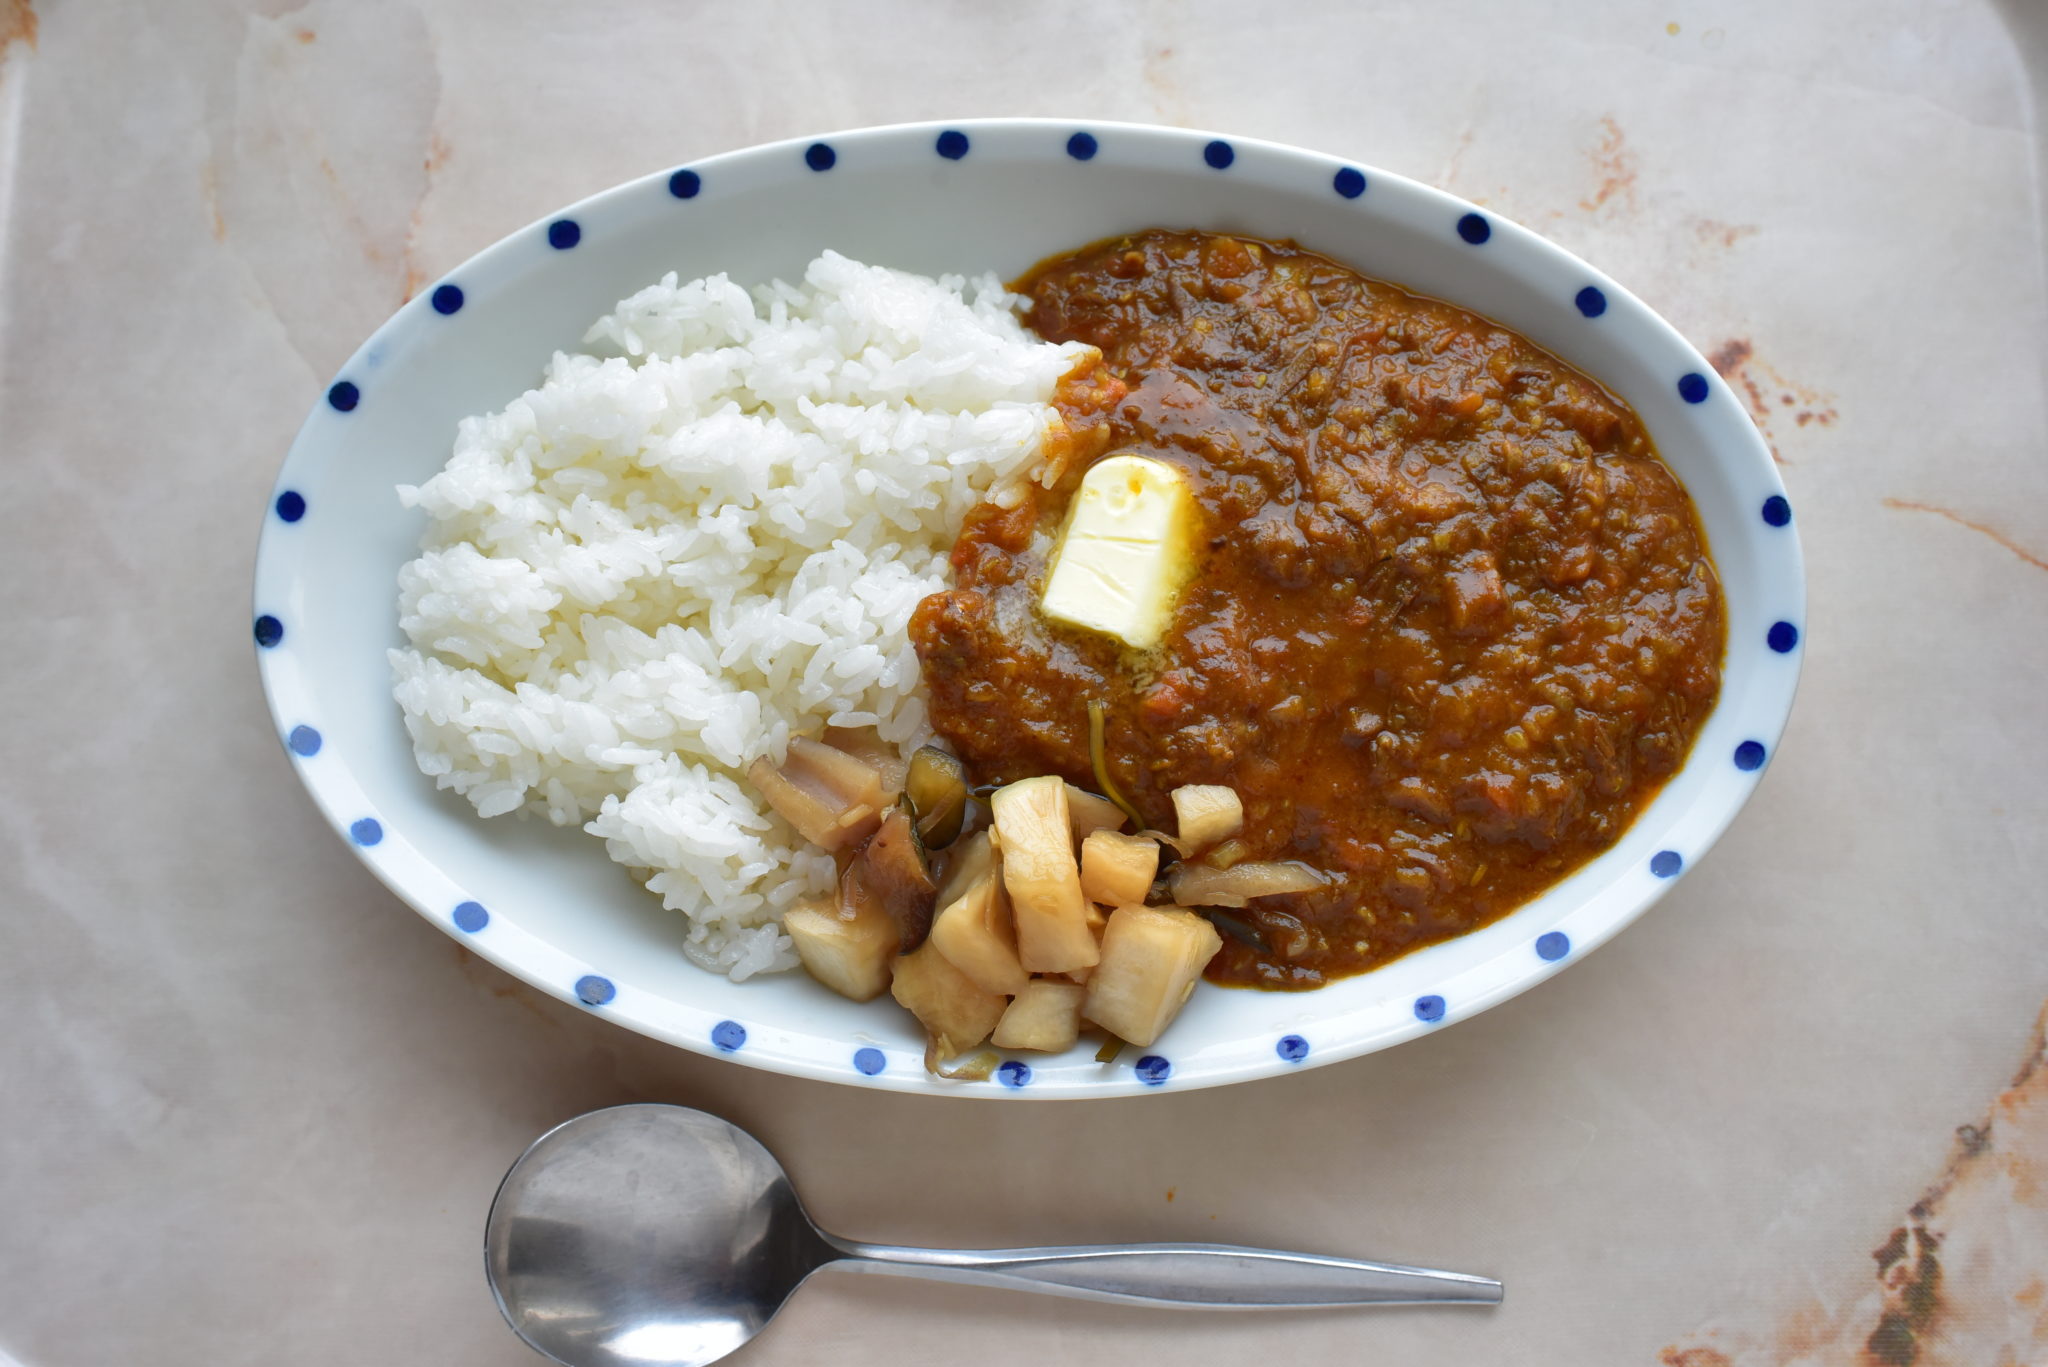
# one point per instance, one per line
(662, 564)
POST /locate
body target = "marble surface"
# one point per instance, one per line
(256, 1108)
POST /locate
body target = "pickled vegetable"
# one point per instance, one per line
(892, 867)
(1046, 1015)
(1041, 876)
(976, 934)
(1117, 870)
(936, 788)
(1199, 885)
(848, 948)
(954, 1011)
(1204, 814)
(834, 799)
(1152, 958)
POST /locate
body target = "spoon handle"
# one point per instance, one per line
(1213, 1276)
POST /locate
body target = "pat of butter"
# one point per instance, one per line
(1127, 549)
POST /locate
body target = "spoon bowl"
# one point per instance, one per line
(646, 1234)
(658, 1236)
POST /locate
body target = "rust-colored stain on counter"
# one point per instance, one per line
(1163, 86)
(17, 24)
(1910, 1272)
(373, 253)
(209, 195)
(1454, 164)
(436, 157)
(1692, 1357)
(1616, 166)
(1958, 1281)
(1713, 231)
(1765, 392)
(1908, 505)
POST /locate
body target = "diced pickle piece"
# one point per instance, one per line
(892, 867)
(848, 948)
(975, 933)
(1205, 813)
(1118, 869)
(1039, 872)
(955, 1012)
(865, 744)
(1046, 1015)
(1086, 812)
(833, 798)
(1152, 957)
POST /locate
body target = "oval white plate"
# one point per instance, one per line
(967, 197)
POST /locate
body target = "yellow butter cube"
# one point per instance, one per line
(1127, 550)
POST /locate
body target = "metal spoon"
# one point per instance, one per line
(651, 1235)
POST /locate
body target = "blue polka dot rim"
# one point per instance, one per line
(869, 1061)
(952, 144)
(470, 917)
(1153, 1070)
(564, 233)
(304, 742)
(291, 505)
(269, 631)
(1777, 512)
(1782, 637)
(1750, 755)
(1692, 387)
(1219, 154)
(685, 184)
(1429, 1009)
(1292, 1048)
(1591, 301)
(1349, 182)
(1013, 1073)
(366, 831)
(592, 990)
(727, 1036)
(448, 299)
(820, 157)
(1553, 945)
(343, 396)
(1666, 863)
(1474, 228)
(1082, 146)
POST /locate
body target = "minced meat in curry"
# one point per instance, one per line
(1452, 622)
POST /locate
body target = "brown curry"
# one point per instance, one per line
(1452, 626)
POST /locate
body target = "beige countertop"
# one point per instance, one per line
(256, 1108)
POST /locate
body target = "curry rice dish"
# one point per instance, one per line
(1252, 620)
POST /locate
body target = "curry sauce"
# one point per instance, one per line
(1452, 621)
